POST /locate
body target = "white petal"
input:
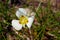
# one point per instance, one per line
(20, 11)
(16, 25)
(33, 14)
(30, 12)
(30, 21)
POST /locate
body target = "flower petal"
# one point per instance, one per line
(20, 11)
(16, 25)
(30, 21)
(30, 12)
(33, 14)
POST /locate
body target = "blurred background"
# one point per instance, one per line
(46, 24)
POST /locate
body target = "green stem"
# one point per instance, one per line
(3, 36)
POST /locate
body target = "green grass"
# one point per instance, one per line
(49, 20)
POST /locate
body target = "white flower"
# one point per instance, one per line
(25, 16)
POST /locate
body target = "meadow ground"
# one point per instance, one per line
(46, 25)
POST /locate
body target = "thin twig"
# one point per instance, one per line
(30, 35)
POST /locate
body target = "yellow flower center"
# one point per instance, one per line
(23, 20)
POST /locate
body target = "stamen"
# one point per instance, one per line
(23, 20)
